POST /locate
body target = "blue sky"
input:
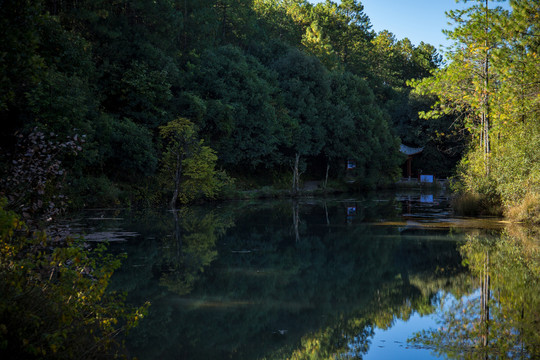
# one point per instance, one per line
(418, 20)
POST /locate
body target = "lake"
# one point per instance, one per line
(376, 277)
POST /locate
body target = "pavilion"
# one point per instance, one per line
(410, 152)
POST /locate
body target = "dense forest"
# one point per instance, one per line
(133, 101)
(130, 102)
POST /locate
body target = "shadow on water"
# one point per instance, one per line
(290, 279)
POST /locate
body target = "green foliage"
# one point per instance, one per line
(20, 63)
(201, 176)
(318, 45)
(357, 130)
(145, 95)
(53, 298)
(241, 120)
(516, 162)
(348, 31)
(305, 86)
(488, 84)
(131, 148)
(290, 22)
(62, 102)
(95, 192)
(65, 98)
(187, 166)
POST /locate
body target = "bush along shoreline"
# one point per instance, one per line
(54, 302)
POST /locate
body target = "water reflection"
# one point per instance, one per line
(276, 280)
(501, 319)
(190, 249)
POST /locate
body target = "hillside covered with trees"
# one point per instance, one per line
(137, 102)
(183, 97)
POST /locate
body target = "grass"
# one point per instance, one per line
(474, 204)
(527, 210)
(415, 184)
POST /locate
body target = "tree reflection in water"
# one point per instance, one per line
(501, 320)
(190, 249)
(309, 280)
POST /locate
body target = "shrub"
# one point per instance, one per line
(474, 204)
(53, 299)
(527, 210)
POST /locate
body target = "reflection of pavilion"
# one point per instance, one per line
(423, 207)
(410, 152)
(351, 212)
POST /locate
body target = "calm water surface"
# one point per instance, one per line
(319, 279)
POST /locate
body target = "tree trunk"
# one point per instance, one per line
(296, 175)
(177, 235)
(326, 178)
(296, 220)
(327, 217)
(177, 178)
(484, 301)
(485, 98)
